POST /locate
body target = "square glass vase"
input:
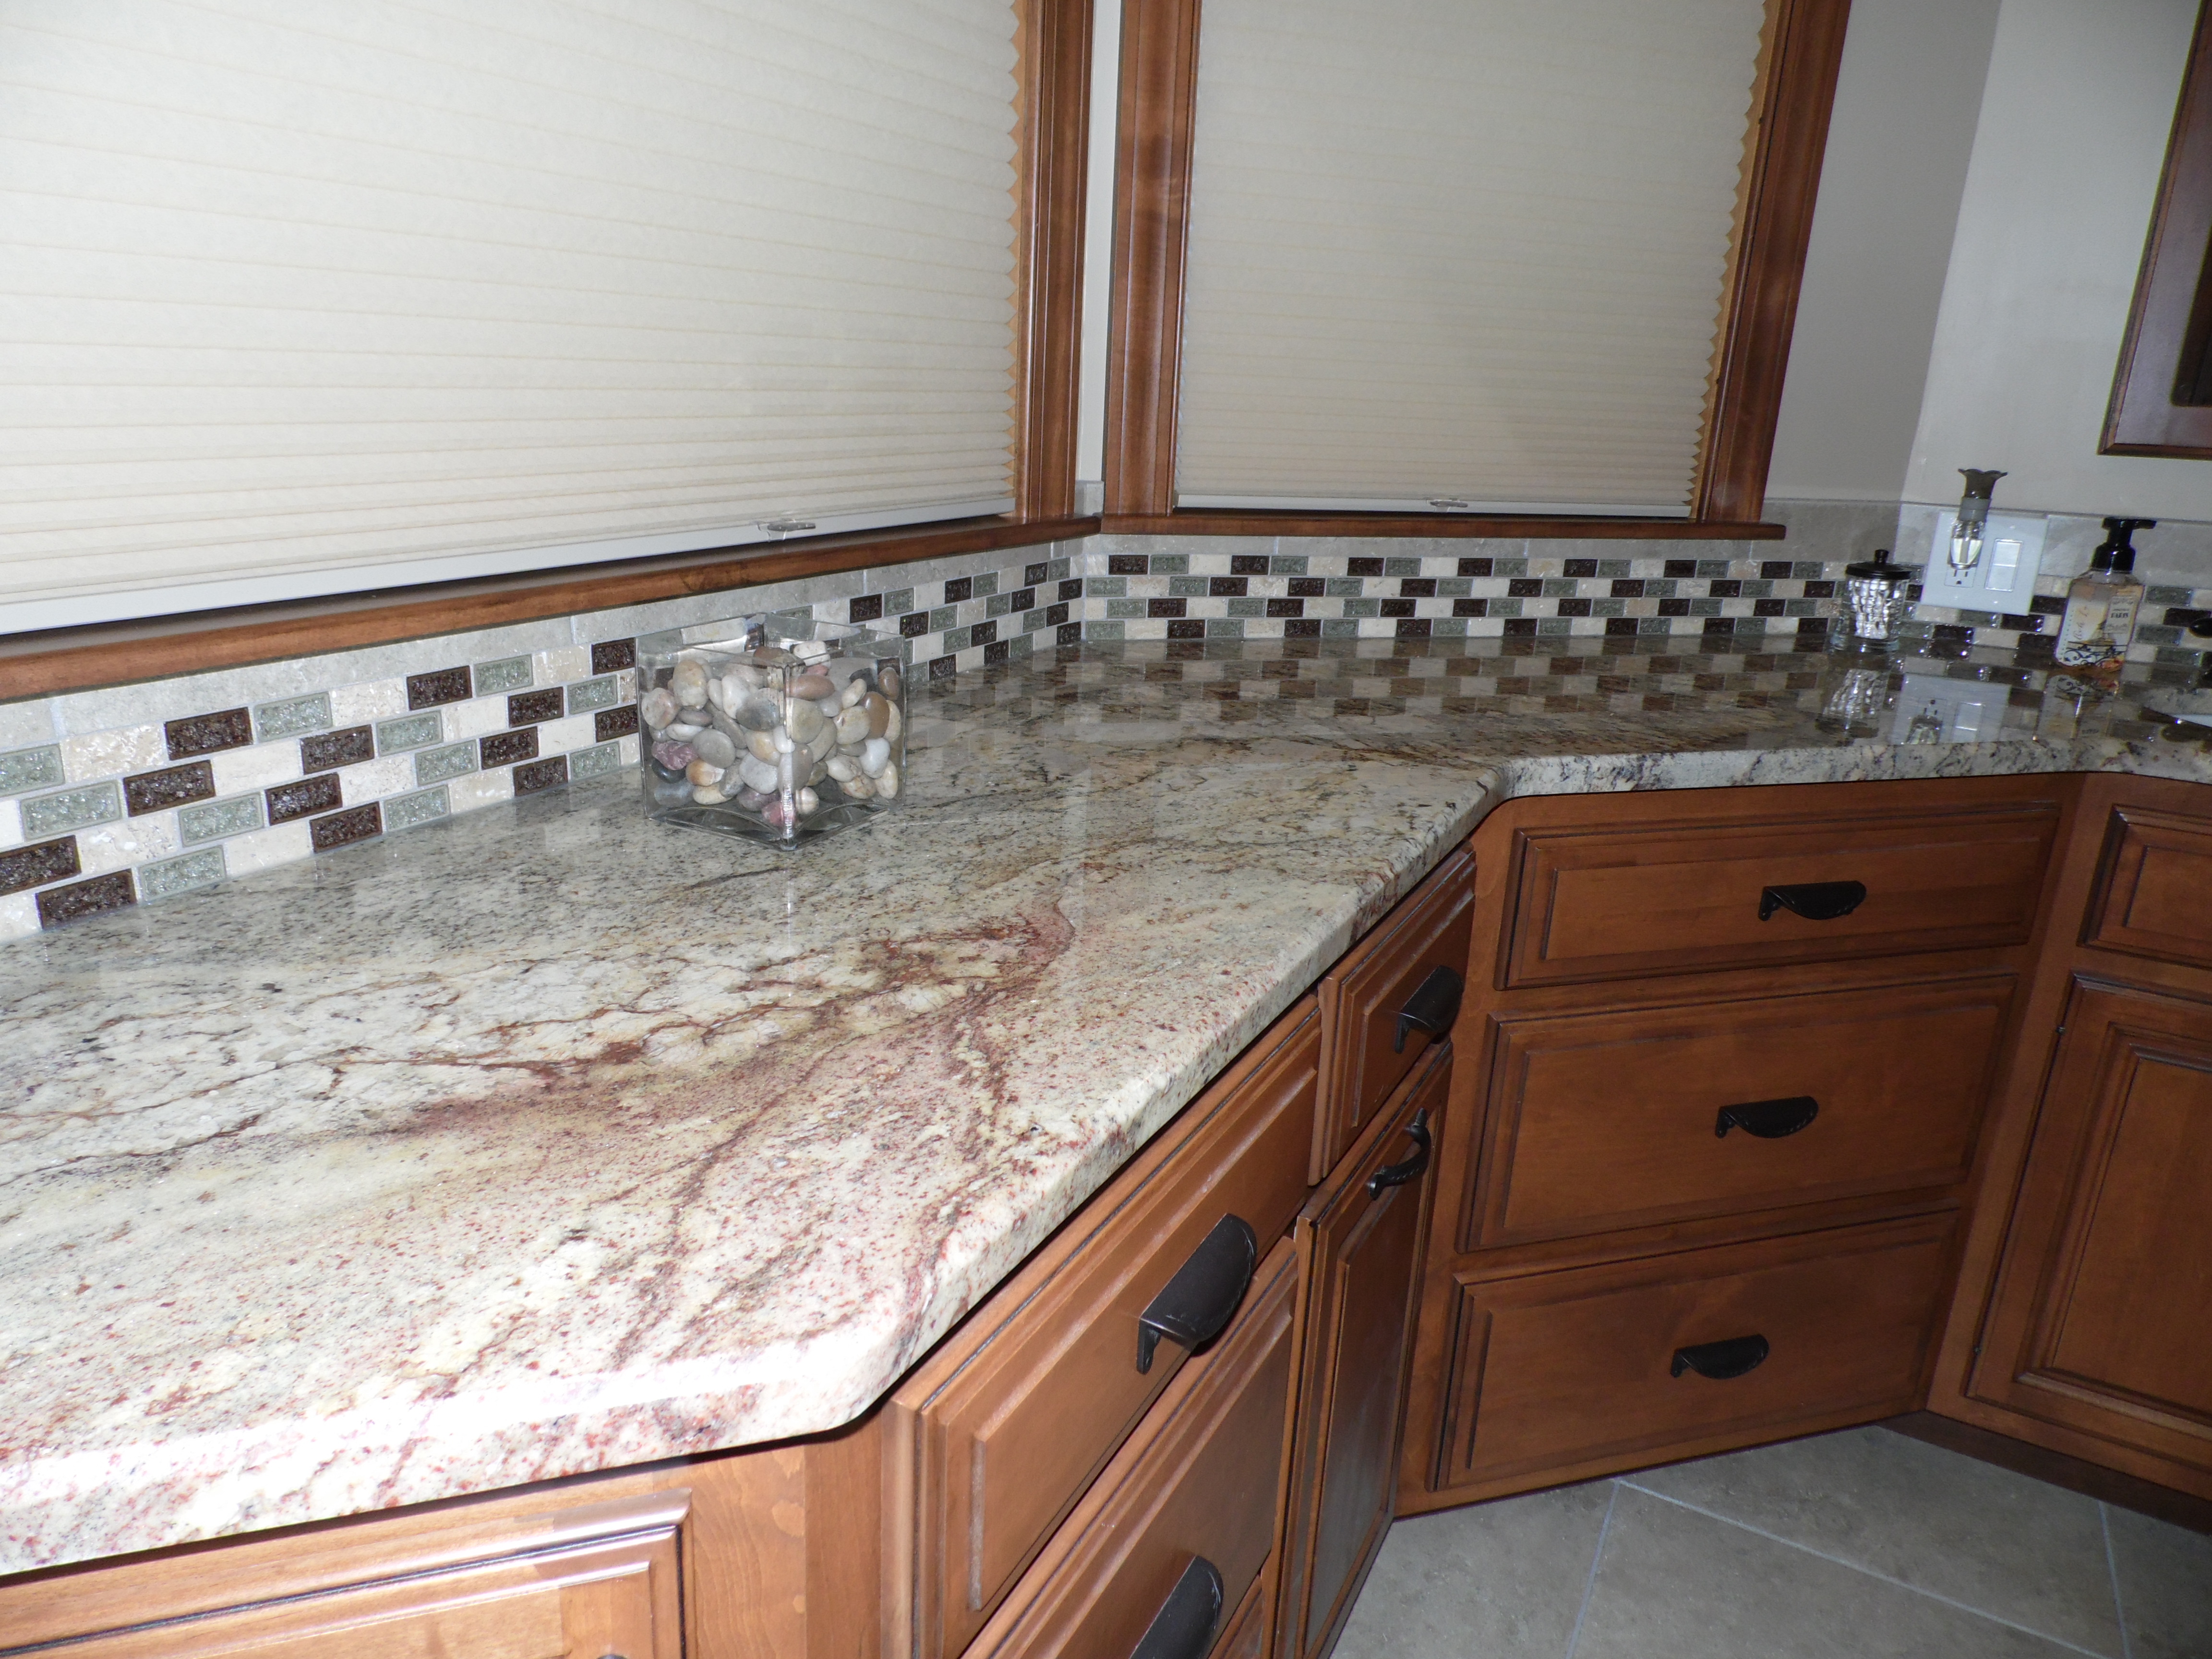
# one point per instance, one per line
(775, 726)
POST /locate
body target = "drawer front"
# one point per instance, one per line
(1198, 1482)
(1619, 1120)
(1563, 1375)
(2154, 895)
(1595, 904)
(1378, 1019)
(1009, 1426)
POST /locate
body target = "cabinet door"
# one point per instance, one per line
(1359, 1242)
(2102, 1319)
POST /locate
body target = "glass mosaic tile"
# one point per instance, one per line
(435, 765)
(85, 898)
(70, 809)
(507, 674)
(595, 762)
(33, 866)
(409, 731)
(206, 734)
(31, 768)
(180, 875)
(587, 695)
(405, 812)
(292, 717)
(218, 818)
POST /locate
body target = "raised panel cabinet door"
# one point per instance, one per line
(1360, 1242)
(2154, 895)
(2102, 1319)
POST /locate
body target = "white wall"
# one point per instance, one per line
(2072, 130)
(1907, 101)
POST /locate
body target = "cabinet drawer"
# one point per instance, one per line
(1007, 1424)
(1195, 1487)
(1605, 1120)
(1563, 1375)
(2154, 895)
(1367, 1048)
(1688, 898)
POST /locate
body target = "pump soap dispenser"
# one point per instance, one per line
(2102, 605)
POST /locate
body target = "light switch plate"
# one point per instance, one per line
(2004, 581)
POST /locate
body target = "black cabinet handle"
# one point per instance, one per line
(1397, 1174)
(1183, 1627)
(1816, 901)
(1192, 1308)
(1432, 1008)
(1722, 1360)
(1769, 1120)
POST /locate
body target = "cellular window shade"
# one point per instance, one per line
(1469, 252)
(306, 299)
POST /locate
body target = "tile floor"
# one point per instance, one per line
(1859, 1545)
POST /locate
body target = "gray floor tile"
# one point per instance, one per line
(1676, 1584)
(2165, 1586)
(2024, 1551)
(1492, 1581)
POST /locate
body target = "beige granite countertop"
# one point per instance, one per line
(548, 1139)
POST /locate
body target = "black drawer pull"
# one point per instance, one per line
(1722, 1360)
(1397, 1174)
(1769, 1120)
(1193, 1306)
(1816, 901)
(1183, 1627)
(1431, 1008)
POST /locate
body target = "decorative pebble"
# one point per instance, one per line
(763, 744)
(888, 678)
(717, 747)
(752, 800)
(689, 683)
(824, 744)
(855, 688)
(860, 788)
(809, 802)
(811, 686)
(717, 696)
(707, 795)
(895, 725)
(675, 756)
(672, 793)
(802, 720)
(756, 773)
(875, 754)
(842, 768)
(773, 655)
(888, 785)
(756, 713)
(657, 707)
(821, 771)
(879, 712)
(682, 731)
(853, 727)
(703, 772)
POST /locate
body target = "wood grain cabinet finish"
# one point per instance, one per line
(1360, 1239)
(1198, 1481)
(1367, 1050)
(1560, 1376)
(1002, 1428)
(1687, 898)
(2154, 894)
(2102, 1319)
(1616, 1120)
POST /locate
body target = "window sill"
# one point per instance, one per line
(1219, 521)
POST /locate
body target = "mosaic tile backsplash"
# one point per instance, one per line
(128, 796)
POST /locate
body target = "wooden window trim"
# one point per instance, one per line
(2164, 323)
(1782, 174)
(1052, 117)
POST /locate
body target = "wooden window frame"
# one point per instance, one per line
(2172, 310)
(1052, 121)
(1794, 93)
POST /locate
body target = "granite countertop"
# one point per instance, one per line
(548, 1139)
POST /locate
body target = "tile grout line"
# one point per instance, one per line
(1837, 1561)
(2112, 1566)
(1590, 1583)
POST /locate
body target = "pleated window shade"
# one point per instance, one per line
(302, 299)
(1464, 251)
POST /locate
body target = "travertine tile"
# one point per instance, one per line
(264, 849)
(102, 754)
(238, 771)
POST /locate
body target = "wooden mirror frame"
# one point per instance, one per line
(1795, 93)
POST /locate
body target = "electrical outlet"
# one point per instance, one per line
(2004, 581)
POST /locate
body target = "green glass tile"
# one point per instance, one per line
(1186, 587)
(1020, 647)
(898, 601)
(986, 585)
(1287, 564)
(210, 820)
(507, 674)
(72, 809)
(435, 765)
(998, 605)
(1363, 607)
(1125, 608)
(1448, 628)
(1248, 607)
(1103, 631)
(409, 731)
(1455, 587)
(1613, 567)
(596, 761)
(587, 695)
(1339, 628)
(405, 812)
(1169, 564)
(956, 640)
(1105, 587)
(31, 768)
(293, 717)
(1401, 567)
(1345, 587)
(1224, 627)
(200, 869)
(945, 616)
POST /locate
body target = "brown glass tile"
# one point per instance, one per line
(1247, 564)
(612, 723)
(86, 898)
(1474, 567)
(1680, 568)
(997, 651)
(612, 656)
(506, 748)
(1032, 574)
(1574, 569)
(1362, 567)
(1192, 630)
(914, 624)
(942, 668)
(35, 865)
(1309, 587)
(287, 801)
(1228, 588)
(864, 608)
(1126, 564)
(528, 707)
(1021, 599)
(1070, 633)
(986, 633)
(441, 685)
(327, 750)
(173, 786)
(958, 588)
(541, 775)
(1054, 615)
(204, 734)
(344, 829)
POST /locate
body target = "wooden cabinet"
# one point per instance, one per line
(1359, 1239)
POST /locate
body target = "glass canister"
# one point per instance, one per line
(775, 726)
(1877, 600)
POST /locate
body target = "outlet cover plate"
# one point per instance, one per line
(2004, 581)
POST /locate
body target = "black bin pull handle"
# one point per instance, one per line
(1769, 1120)
(1183, 1627)
(1722, 1360)
(1432, 1008)
(1193, 1306)
(1816, 901)
(1397, 1174)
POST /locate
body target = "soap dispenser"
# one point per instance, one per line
(2102, 605)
